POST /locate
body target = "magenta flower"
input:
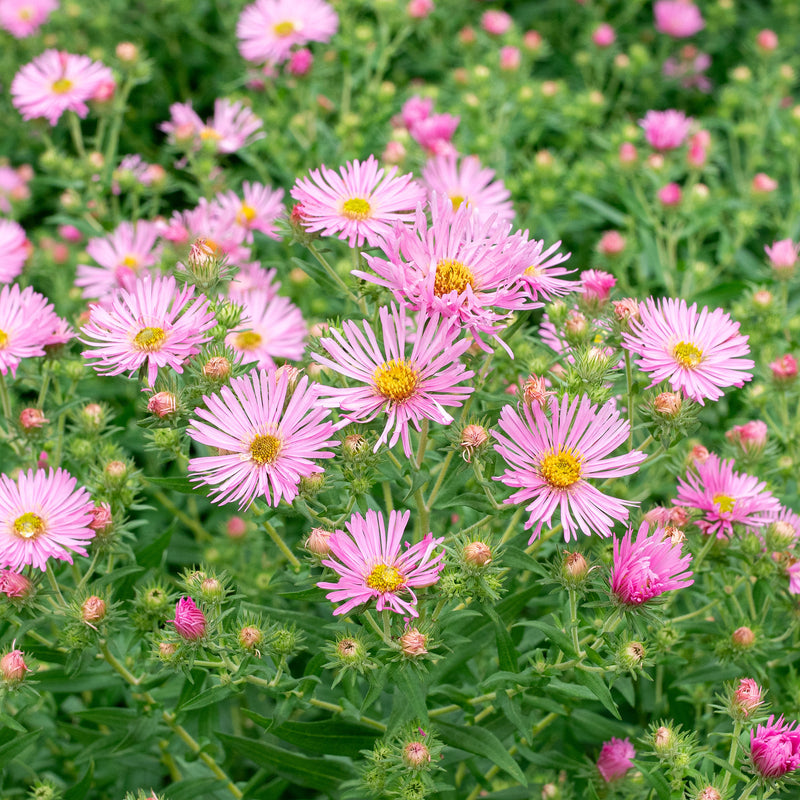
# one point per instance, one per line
(407, 386)
(666, 130)
(648, 567)
(783, 257)
(22, 18)
(678, 18)
(153, 325)
(596, 286)
(28, 323)
(190, 621)
(360, 202)
(543, 277)
(371, 564)
(699, 353)
(616, 758)
(414, 110)
(260, 208)
(42, 515)
(784, 369)
(775, 748)
(726, 498)
(232, 127)
(14, 250)
(793, 573)
(468, 183)
(747, 697)
(269, 30)
(14, 584)
(271, 328)
(124, 256)
(552, 459)
(434, 134)
(266, 439)
(55, 82)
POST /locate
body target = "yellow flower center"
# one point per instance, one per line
(356, 208)
(246, 214)
(457, 200)
(384, 578)
(62, 85)
(28, 526)
(149, 339)
(561, 468)
(396, 380)
(687, 354)
(264, 449)
(247, 340)
(210, 133)
(25, 13)
(725, 502)
(283, 28)
(3, 340)
(130, 261)
(452, 276)
(534, 271)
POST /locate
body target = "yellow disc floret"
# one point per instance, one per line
(62, 85)
(384, 578)
(452, 276)
(285, 28)
(264, 449)
(149, 339)
(687, 354)
(396, 380)
(356, 208)
(28, 526)
(247, 340)
(724, 502)
(561, 468)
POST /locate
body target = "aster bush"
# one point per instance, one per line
(399, 400)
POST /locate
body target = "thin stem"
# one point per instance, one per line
(423, 443)
(377, 628)
(372, 723)
(282, 546)
(77, 135)
(190, 523)
(4, 399)
(90, 570)
(117, 665)
(439, 480)
(54, 584)
(332, 272)
(573, 620)
(737, 731)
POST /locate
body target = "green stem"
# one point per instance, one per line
(4, 399)
(573, 620)
(190, 523)
(116, 127)
(372, 723)
(77, 135)
(423, 443)
(377, 628)
(737, 731)
(282, 546)
(439, 480)
(90, 570)
(332, 272)
(54, 584)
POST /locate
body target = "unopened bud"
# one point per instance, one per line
(284, 641)
(101, 518)
(318, 542)
(190, 622)
(92, 415)
(118, 470)
(312, 484)
(236, 528)
(575, 568)
(668, 404)
(217, 368)
(13, 667)
(709, 793)
(477, 554)
(700, 454)
(162, 404)
(93, 609)
(211, 589)
(166, 650)
(14, 584)
(127, 52)
(662, 739)
(631, 655)
(550, 792)
(626, 309)
(413, 643)
(349, 650)
(743, 637)
(781, 534)
(354, 445)
(416, 755)
(576, 324)
(250, 637)
(746, 698)
(32, 418)
(534, 390)
(472, 438)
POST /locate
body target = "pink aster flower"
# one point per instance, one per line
(232, 127)
(434, 134)
(616, 758)
(666, 130)
(784, 369)
(55, 82)
(124, 256)
(414, 110)
(470, 184)
(151, 326)
(750, 437)
(407, 386)
(260, 208)
(458, 266)
(14, 250)
(678, 18)
(190, 622)
(783, 257)
(271, 328)
(268, 30)
(27, 324)
(211, 224)
(793, 573)
(13, 584)
(553, 457)
(775, 748)
(42, 515)
(371, 564)
(266, 438)
(13, 185)
(361, 201)
(697, 352)
(596, 287)
(725, 497)
(746, 698)
(542, 276)
(648, 567)
(22, 18)
(253, 277)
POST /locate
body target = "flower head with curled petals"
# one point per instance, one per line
(42, 515)
(411, 376)
(232, 127)
(267, 438)
(372, 564)
(698, 352)
(666, 130)
(616, 758)
(257, 210)
(551, 459)
(360, 202)
(775, 748)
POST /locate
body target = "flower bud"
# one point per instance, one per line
(413, 643)
(354, 445)
(211, 589)
(781, 534)
(318, 542)
(32, 418)
(763, 184)
(166, 650)
(576, 324)
(92, 416)
(250, 637)
(668, 404)
(762, 299)
(532, 41)
(627, 153)
(189, 621)
(700, 454)
(312, 484)
(663, 740)
(127, 52)
(612, 243)
(743, 637)
(574, 568)
(784, 369)
(750, 437)
(746, 698)
(217, 368)
(534, 390)
(783, 258)
(13, 667)
(93, 609)
(630, 655)
(477, 554)
(670, 195)
(117, 470)
(767, 41)
(349, 650)
(236, 528)
(416, 755)
(604, 35)
(709, 793)
(472, 438)
(14, 584)
(162, 404)
(550, 792)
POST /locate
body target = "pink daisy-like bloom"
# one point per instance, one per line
(699, 353)
(258, 211)
(468, 183)
(553, 457)
(266, 438)
(211, 224)
(190, 622)
(666, 130)
(360, 202)
(55, 82)
(42, 515)
(775, 748)
(616, 758)
(14, 250)
(678, 18)
(268, 30)
(414, 110)
(124, 256)
(793, 573)
(434, 134)
(726, 498)
(152, 325)
(232, 127)
(458, 266)
(27, 324)
(372, 565)
(542, 276)
(22, 18)
(253, 277)
(271, 328)
(408, 387)
(648, 567)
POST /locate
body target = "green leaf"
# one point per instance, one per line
(471, 499)
(335, 737)
(182, 485)
(556, 636)
(597, 686)
(507, 655)
(481, 742)
(192, 788)
(214, 694)
(10, 750)
(518, 559)
(603, 209)
(80, 790)
(655, 779)
(315, 773)
(411, 690)
(113, 717)
(512, 713)
(151, 554)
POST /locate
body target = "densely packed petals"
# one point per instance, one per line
(14, 250)
(775, 748)
(615, 759)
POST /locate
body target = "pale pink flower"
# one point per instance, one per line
(552, 458)
(496, 22)
(763, 184)
(55, 82)
(793, 572)
(13, 667)
(27, 324)
(775, 748)
(751, 437)
(266, 439)
(411, 375)
(678, 18)
(14, 250)
(604, 35)
(153, 326)
(268, 30)
(747, 697)
(360, 202)
(419, 9)
(767, 40)
(670, 195)
(510, 58)
(13, 584)
(783, 257)
(210, 223)
(699, 353)
(232, 127)
(627, 153)
(784, 369)
(371, 564)
(612, 243)
(414, 110)
(689, 68)
(42, 515)
(22, 18)
(258, 209)
(13, 186)
(596, 287)
(253, 277)
(190, 622)
(616, 758)
(666, 130)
